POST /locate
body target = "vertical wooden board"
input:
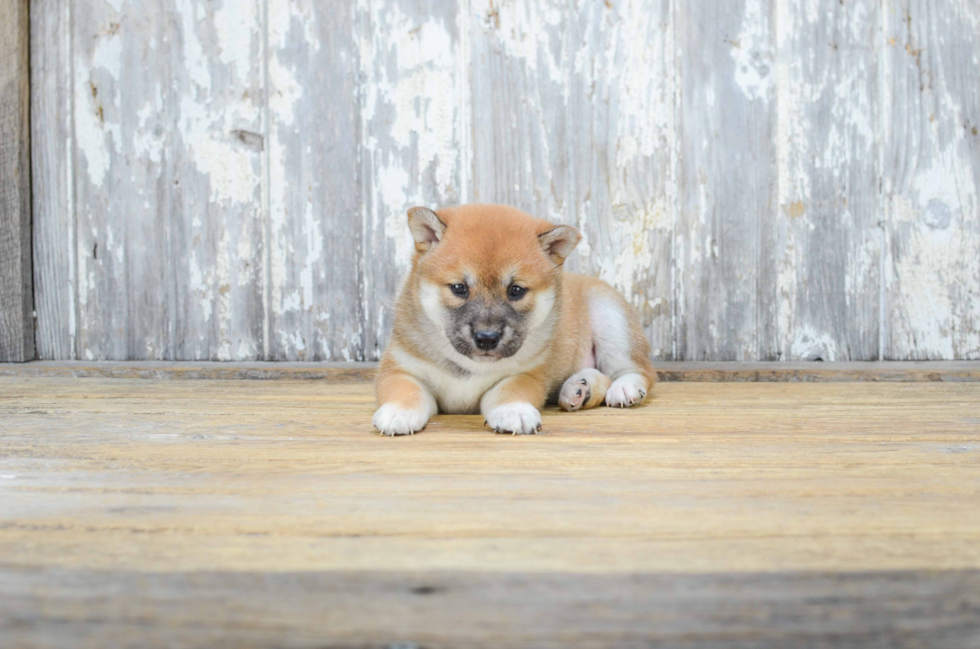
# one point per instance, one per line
(167, 124)
(219, 214)
(931, 179)
(315, 216)
(121, 182)
(16, 293)
(520, 67)
(412, 80)
(619, 145)
(573, 121)
(829, 245)
(53, 214)
(724, 259)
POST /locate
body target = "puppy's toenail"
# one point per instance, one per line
(578, 394)
(584, 382)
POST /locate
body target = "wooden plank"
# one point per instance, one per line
(16, 292)
(520, 110)
(714, 515)
(725, 271)
(888, 371)
(315, 311)
(620, 138)
(829, 239)
(412, 78)
(931, 179)
(706, 478)
(51, 163)
(574, 122)
(168, 144)
(45, 607)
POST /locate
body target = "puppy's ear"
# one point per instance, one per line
(559, 242)
(427, 229)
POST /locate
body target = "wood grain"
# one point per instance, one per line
(763, 179)
(931, 179)
(16, 291)
(316, 310)
(50, 607)
(166, 99)
(771, 372)
(267, 513)
(725, 271)
(828, 249)
(52, 165)
(411, 84)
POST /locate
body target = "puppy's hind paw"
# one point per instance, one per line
(574, 394)
(515, 418)
(626, 391)
(583, 389)
(393, 420)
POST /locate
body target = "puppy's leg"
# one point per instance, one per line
(584, 389)
(512, 405)
(622, 351)
(405, 404)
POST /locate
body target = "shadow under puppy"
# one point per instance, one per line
(487, 321)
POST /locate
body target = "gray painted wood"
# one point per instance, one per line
(411, 82)
(724, 284)
(52, 159)
(315, 241)
(828, 250)
(931, 179)
(16, 293)
(763, 179)
(168, 100)
(620, 130)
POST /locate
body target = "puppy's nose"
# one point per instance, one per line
(486, 339)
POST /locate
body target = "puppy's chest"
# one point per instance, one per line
(460, 394)
(456, 392)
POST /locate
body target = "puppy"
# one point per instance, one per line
(488, 322)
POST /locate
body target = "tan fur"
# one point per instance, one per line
(491, 242)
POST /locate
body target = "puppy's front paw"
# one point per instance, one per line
(626, 391)
(515, 418)
(391, 419)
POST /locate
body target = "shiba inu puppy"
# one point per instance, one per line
(488, 322)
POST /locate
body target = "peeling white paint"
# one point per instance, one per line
(587, 134)
(93, 117)
(629, 266)
(234, 26)
(752, 54)
(811, 345)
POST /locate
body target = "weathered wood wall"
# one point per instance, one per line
(16, 293)
(765, 179)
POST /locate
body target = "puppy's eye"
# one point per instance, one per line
(516, 292)
(462, 290)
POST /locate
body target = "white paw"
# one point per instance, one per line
(515, 418)
(577, 390)
(394, 420)
(626, 391)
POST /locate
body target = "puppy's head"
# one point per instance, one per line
(489, 275)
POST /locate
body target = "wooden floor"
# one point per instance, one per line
(218, 513)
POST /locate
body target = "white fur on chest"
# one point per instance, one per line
(456, 394)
